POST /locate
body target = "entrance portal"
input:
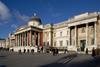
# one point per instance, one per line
(82, 44)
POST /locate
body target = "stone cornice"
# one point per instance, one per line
(29, 28)
(88, 16)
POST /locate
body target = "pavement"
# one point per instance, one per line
(81, 60)
(12, 59)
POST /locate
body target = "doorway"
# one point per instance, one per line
(82, 44)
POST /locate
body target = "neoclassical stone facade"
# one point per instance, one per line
(83, 31)
(2, 43)
(29, 37)
(75, 34)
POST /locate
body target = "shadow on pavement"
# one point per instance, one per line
(95, 62)
(61, 62)
(54, 65)
(3, 65)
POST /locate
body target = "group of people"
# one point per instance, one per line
(24, 51)
(4, 49)
(55, 51)
(94, 51)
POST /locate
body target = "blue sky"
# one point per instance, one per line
(14, 13)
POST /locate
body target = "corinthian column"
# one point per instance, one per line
(95, 33)
(38, 39)
(16, 40)
(75, 35)
(69, 36)
(30, 38)
(27, 38)
(86, 35)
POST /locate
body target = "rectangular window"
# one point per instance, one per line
(67, 32)
(55, 43)
(66, 42)
(92, 41)
(61, 43)
(60, 33)
(54, 34)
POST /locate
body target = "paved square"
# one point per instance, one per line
(12, 59)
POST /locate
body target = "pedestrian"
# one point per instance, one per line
(86, 50)
(32, 51)
(57, 51)
(42, 49)
(97, 51)
(20, 51)
(28, 50)
(53, 52)
(93, 52)
(65, 51)
(24, 50)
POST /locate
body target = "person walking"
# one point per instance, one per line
(93, 52)
(86, 50)
(53, 52)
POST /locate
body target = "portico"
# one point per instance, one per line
(29, 37)
(83, 34)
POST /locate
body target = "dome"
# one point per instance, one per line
(35, 18)
(34, 21)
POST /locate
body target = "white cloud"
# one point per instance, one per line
(21, 17)
(14, 26)
(4, 12)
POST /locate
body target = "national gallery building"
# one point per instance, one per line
(75, 34)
